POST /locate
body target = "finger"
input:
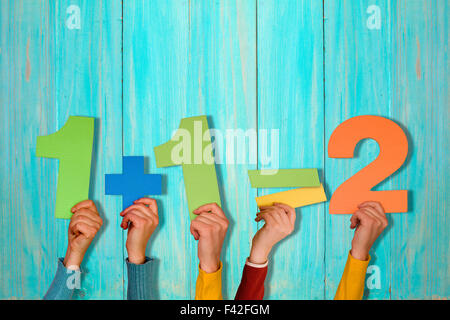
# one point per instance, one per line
(260, 215)
(277, 215)
(89, 214)
(285, 219)
(85, 229)
(150, 202)
(289, 211)
(144, 211)
(354, 220)
(214, 219)
(374, 204)
(144, 218)
(138, 207)
(381, 219)
(374, 213)
(194, 232)
(209, 225)
(267, 217)
(210, 207)
(371, 213)
(89, 204)
(263, 209)
(376, 209)
(199, 226)
(86, 220)
(131, 217)
(206, 220)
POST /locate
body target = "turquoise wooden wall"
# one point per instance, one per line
(302, 67)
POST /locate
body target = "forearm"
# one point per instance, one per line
(64, 283)
(139, 280)
(351, 286)
(252, 282)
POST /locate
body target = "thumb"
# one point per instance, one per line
(194, 231)
(128, 217)
(83, 230)
(290, 212)
(354, 220)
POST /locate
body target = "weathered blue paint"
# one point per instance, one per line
(298, 66)
(290, 99)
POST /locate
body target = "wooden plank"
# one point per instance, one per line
(222, 84)
(420, 253)
(155, 75)
(29, 231)
(247, 65)
(357, 82)
(88, 66)
(55, 72)
(290, 99)
(192, 58)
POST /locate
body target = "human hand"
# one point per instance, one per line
(279, 223)
(209, 228)
(369, 221)
(141, 220)
(83, 227)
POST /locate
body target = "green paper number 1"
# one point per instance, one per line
(194, 153)
(72, 145)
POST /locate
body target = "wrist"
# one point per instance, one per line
(359, 254)
(72, 259)
(210, 266)
(137, 257)
(259, 255)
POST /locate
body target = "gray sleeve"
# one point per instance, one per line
(139, 280)
(63, 284)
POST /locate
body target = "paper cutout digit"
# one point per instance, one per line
(72, 145)
(393, 151)
(194, 154)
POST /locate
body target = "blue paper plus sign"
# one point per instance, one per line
(132, 184)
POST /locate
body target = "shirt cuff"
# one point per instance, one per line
(138, 280)
(64, 283)
(212, 275)
(257, 265)
(209, 285)
(357, 261)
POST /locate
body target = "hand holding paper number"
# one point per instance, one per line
(209, 228)
(279, 223)
(369, 221)
(83, 227)
(141, 220)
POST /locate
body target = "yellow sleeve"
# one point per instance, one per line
(351, 286)
(209, 285)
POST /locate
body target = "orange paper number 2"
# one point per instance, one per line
(393, 151)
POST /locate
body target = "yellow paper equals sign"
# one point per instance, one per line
(295, 198)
